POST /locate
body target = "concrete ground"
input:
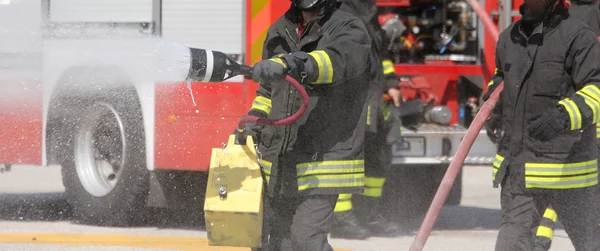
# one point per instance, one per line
(34, 215)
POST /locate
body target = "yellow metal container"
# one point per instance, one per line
(235, 219)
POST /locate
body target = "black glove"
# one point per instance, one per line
(253, 130)
(269, 70)
(493, 128)
(549, 124)
(489, 92)
(299, 66)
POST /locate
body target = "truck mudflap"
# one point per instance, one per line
(437, 144)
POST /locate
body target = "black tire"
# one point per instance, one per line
(111, 120)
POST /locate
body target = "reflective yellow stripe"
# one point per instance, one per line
(497, 70)
(266, 166)
(385, 110)
(573, 111)
(330, 167)
(544, 231)
(331, 181)
(280, 61)
(344, 203)
(550, 214)
(591, 94)
(374, 187)
(490, 83)
(374, 182)
(598, 131)
(369, 115)
(261, 103)
(324, 65)
(561, 176)
(388, 67)
(497, 162)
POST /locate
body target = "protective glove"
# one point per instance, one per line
(299, 66)
(493, 127)
(253, 130)
(269, 70)
(489, 92)
(546, 126)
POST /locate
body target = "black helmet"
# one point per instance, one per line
(310, 5)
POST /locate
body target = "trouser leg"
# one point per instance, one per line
(311, 223)
(577, 209)
(545, 231)
(520, 218)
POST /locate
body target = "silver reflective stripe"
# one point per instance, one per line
(317, 181)
(210, 64)
(561, 183)
(302, 171)
(325, 66)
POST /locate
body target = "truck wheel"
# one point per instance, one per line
(104, 172)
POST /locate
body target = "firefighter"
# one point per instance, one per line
(309, 163)
(377, 153)
(547, 111)
(589, 12)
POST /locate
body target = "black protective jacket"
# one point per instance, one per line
(383, 76)
(588, 11)
(321, 153)
(556, 66)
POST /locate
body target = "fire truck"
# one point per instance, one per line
(95, 87)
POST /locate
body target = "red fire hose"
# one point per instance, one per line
(463, 149)
(284, 121)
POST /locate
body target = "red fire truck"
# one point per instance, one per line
(95, 88)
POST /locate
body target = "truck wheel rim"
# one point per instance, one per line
(100, 150)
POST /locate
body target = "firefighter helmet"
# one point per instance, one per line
(309, 5)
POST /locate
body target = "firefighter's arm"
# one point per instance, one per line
(343, 55)
(583, 107)
(389, 74)
(261, 105)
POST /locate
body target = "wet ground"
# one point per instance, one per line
(34, 215)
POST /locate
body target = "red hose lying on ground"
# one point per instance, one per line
(284, 121)
(463, 149)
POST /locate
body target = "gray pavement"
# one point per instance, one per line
(32, 201)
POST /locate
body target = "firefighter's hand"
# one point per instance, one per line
(396, 95)
(489, 92)
(493, 127)
(549, 124)
(269, 70)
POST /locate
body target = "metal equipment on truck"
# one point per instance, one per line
(89, 86)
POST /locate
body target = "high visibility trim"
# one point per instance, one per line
(562, 182)
(490, 83)
(545, 232)
(574, 113)
(262, 103)
(266, 167)
(385, 110)
(550, 214)
(324, 65)
(330, 167)
(497, 71)
(374, 182)
(344, 203)
(331, 181)
(280, 61)
(497, 162)
(592, 103)
(598, 131)
(373, 192)
(345, 196)
(388, 67)
(369, 115)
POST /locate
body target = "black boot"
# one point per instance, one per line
(347, 226)
(374, 220)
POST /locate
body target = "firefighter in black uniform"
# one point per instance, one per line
(309, 163)
(548, 108)
(377, 152)
(589, 12)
